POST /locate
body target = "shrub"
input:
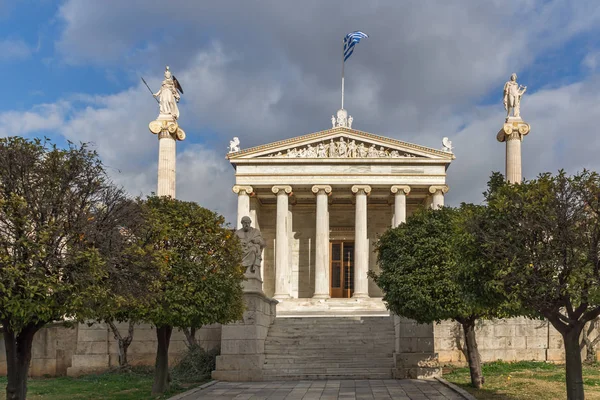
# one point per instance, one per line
(196, 364)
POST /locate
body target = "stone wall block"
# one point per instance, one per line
(93, 335)
(503, 329)
(516, 342)
(537, 342)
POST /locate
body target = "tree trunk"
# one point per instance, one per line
(162, 380)
(18, 358)
(190, 335)
(123, 342)
(590, 345)
(573, 364)
(472, 353)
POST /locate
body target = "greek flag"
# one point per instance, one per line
(350, 40)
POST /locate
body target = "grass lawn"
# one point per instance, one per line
(128, 385)
(526, 380)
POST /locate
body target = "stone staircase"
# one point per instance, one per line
(329, 348)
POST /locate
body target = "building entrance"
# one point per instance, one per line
(341, 269)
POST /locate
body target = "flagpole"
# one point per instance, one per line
(343, 74)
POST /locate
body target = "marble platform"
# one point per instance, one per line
(307, 307)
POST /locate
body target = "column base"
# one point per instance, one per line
(360, 296)
(281, 296)
(321, 297)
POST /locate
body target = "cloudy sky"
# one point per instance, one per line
(269, 70)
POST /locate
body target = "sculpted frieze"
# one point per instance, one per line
(341, 148)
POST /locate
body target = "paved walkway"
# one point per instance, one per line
(327, 390)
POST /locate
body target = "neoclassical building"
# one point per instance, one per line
(320, 201)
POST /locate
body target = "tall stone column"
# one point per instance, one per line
(361, 242)
(438, 196)
(243, 210)
(400, 192)
(322, 242)
(168, 132)
(513, 132)
(282, 249)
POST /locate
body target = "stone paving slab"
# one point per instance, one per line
(407, 389)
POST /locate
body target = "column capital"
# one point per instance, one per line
(443, 188)
(366, 189)
(400, 188)
(324, 188)
(241, 189)
(282, 189)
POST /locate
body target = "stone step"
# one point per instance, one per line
(323, 351)
(330, 370)
(327, 357)
(330, 339)
(316, 367)
(323, 376)
(333, 321)
(330, 348)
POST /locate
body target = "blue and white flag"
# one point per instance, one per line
(350, 40)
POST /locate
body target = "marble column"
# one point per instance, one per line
(400, 192)
(437, 193)
(513, 132)
(322, 242)
(282, 249)
(361, 242)
(243, 210)
(166, 164)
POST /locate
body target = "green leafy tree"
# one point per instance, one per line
(201, 273)
(542, 238)
(129, 255)
(55, 207)
(431, 271)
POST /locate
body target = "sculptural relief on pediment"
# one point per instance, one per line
(340, 148)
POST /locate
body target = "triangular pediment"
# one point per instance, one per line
(340, 143)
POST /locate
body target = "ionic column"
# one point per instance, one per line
(243, 210)
(166, 164)
(513, 133)
(400, 192)
(322, 243)
(438, 196)
(282, 262)
(361, 242)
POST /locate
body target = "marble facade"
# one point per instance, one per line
(339, 184)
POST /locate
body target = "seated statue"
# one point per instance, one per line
(252, 245)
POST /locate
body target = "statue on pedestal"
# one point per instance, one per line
(252, 245)
(168, 95)
(512, 96)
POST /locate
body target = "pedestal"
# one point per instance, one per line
(243, 343)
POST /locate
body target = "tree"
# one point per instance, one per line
(201, 273)
(430, 271)
(542, 238)
(55, 207)
(129, 254)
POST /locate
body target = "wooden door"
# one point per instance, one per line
(341, 269)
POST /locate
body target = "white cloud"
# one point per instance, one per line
(259, 74)
(14, 50)
(592, 60)
(44, 118)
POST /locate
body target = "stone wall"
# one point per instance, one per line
(62, 350)
(53, 347)
(513, 339)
